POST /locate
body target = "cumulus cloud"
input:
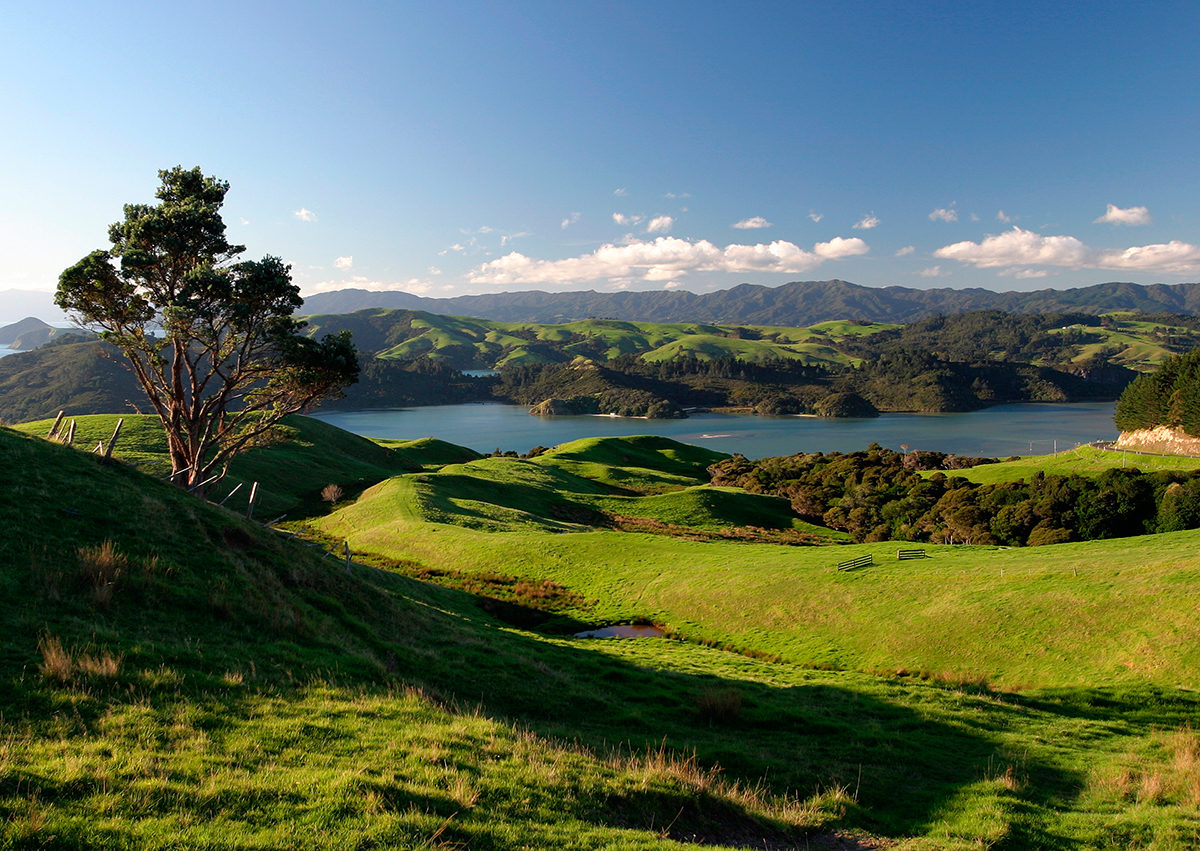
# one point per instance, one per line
(622, 219)
(752, 223)
(816, 217)
(663, 259)
(244, 220)
(944, 214)
(305, 215)
(931, 272)
(1019, 247)
(905, 251)
(660, 224)
(1128, 216)
(570, 220)
(1023, 274)
(867, 222)
(457, 248)
(344, 263)
(1002, 217)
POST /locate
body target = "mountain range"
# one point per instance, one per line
(799, 303)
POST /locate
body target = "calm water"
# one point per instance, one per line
(1000, 431)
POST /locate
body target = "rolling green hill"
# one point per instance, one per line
(178, 678)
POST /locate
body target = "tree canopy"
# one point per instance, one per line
(210, 338)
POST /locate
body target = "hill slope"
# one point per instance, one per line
(197, 682)
(793, 304)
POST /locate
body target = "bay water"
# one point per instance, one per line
(1000, 431)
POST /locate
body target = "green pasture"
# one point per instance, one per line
(301, 456)
(216, 685)
(1082, 461)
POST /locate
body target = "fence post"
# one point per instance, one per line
(346, 544)
(54, 428)
(253, 499)
(70, 434)
(112, 441)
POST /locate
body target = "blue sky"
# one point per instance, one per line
(450, 148)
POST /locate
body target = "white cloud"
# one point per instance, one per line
(570, 220)
(457, 248)
(621, 193)
(245, 221)
(672, 285)
(905, 251)
(486, 229)
(867, 222)
(344, 263)
(1023, 274)
(931, 272)
(974, 217)
(816, 217)
(944, 214)
(660, 224)
(678, 195)
(1128, 216)
(509, 237)
(1002, 217)
(622, 219)
(434, 270)
(305, 215)
(752, 223)
(664, 259)
(1019, 247)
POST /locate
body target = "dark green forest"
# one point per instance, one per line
(878, 495)
(1169, 396)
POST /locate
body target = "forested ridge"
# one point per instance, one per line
(848, 368)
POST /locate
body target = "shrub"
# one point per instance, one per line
(333, 494)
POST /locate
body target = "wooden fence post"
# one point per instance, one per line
(253, 499)
(70, 434)
(54, 428)
(112, 441)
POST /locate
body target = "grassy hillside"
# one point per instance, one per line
(200, 682)
(1083, 461)
(305, 455)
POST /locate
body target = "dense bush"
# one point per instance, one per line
(877, 495)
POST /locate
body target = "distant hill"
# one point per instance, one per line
(32, 332)
(75, 377)
(796, 304)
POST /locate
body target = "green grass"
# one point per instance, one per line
(1108, 611)
(232, 689)
(306, 455)
(1083, 461)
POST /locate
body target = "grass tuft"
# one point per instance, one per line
(719, 705)
(100, 567)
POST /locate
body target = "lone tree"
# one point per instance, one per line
(211, 339)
